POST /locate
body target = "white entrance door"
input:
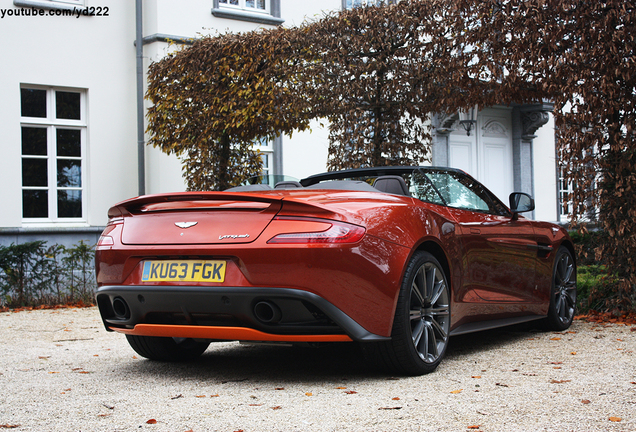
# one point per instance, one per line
(486, 153)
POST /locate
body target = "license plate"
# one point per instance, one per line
(183, 271)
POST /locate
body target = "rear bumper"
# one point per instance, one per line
(226, 313)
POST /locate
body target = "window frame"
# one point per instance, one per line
(241, 6)
(271, 16)
(52, 124)
(266, 149)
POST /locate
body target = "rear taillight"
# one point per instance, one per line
(105, 241)
(338, 232)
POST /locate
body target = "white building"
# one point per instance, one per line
(68, 114)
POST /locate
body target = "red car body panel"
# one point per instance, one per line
(498, 266)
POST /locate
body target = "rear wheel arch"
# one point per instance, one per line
(438, 252)
(570, 246)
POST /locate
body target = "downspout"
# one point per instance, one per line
(141, 159)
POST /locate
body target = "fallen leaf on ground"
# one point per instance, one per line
(340, 388)
(277, 407)
(502, 385)
(9, 426)
(351, 392)
(152, 421)
(214, 395)
(309, 394)
(555, 339)
(177, 397)
(457, 391)
(396, 398)
(476, 376)
(615, 419)
(390, 408)
(559, 381)
(473, 427)
(585, 401)
(279, 388)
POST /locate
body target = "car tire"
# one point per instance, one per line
(562, 292)
(167, 348)
(421, 325)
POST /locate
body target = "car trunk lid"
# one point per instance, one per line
(195, 218)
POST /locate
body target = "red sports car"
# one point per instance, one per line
(396, 258)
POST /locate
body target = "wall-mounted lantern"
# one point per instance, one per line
(468, 118)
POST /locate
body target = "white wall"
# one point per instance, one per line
(295, 12)
(306, 152)
(95, 54)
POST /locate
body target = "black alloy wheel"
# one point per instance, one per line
(563, 292)
(421, 325)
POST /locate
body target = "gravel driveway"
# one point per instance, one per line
(61, 371)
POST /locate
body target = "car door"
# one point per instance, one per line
(499, 252)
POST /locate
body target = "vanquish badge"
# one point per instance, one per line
(185, 225)
(233, 236)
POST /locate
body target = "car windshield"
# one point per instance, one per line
(454, 189)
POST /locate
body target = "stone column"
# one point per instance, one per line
(526, 119)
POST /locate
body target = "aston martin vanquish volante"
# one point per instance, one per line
(398, 259)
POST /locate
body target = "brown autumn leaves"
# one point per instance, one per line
(377, 73)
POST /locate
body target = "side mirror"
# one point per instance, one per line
(520, 203)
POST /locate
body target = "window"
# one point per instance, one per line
(249, 5)
(266, 150)
(257, 11)
(350, 4)
(53, 139)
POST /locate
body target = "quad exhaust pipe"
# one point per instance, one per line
(121, 309)
(267, 312)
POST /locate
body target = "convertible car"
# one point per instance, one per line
(398, 259)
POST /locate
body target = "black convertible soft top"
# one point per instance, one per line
(368, 172)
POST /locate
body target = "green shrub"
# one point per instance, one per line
(599, 289)
(32, 274)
